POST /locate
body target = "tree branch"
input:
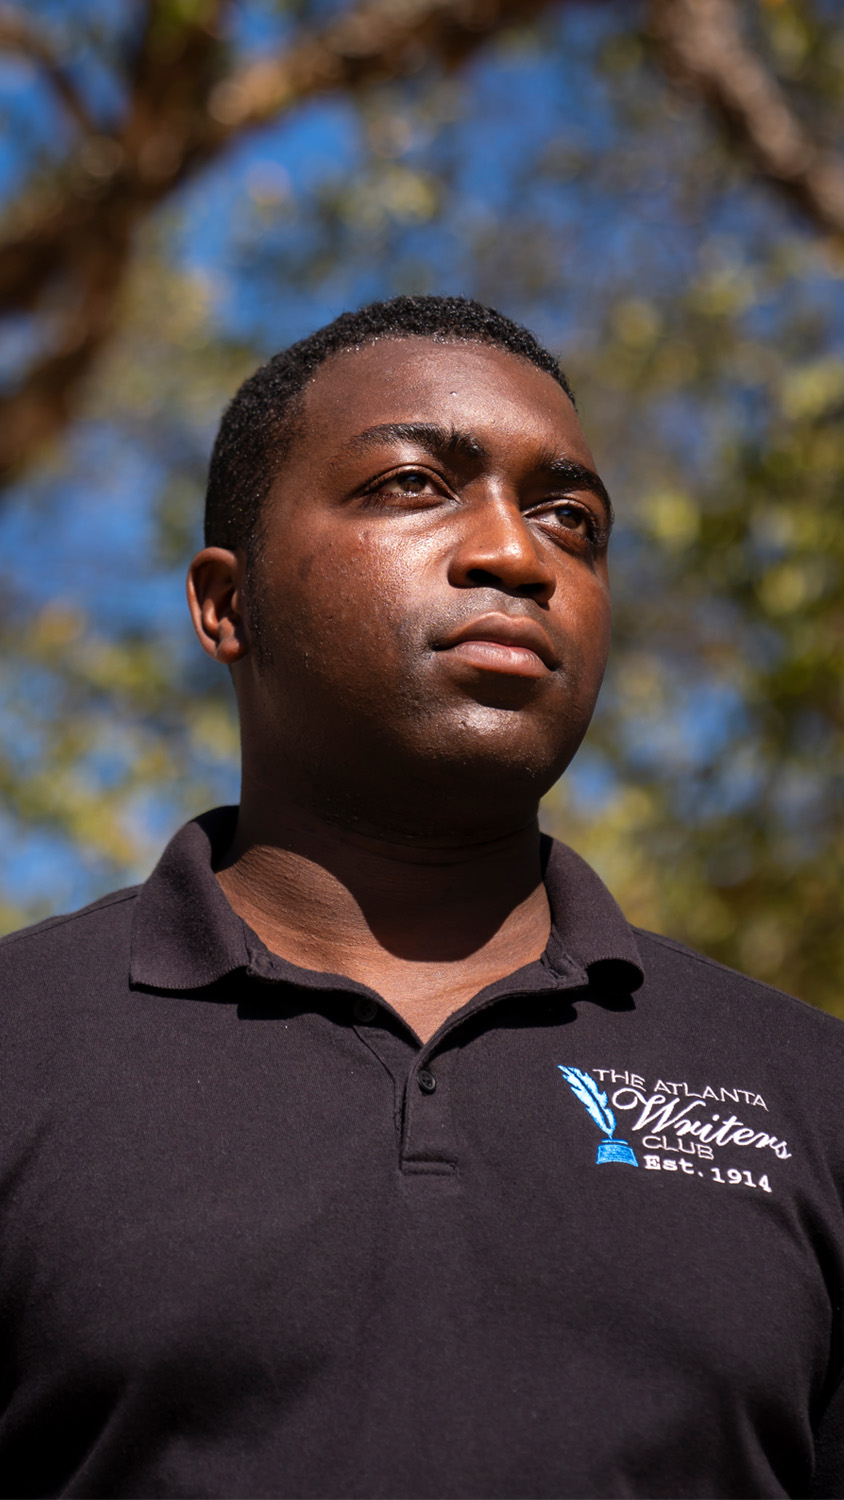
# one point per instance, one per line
(379, 39)
(16, 35)
(702, 46)
(180, 118)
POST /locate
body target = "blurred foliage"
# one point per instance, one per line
(562, 177)
(728, 700)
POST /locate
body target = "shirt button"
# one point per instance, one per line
(427, 1081)
(365, 1009)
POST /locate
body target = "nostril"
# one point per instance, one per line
(484, 578)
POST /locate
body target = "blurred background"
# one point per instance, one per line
(655, 186)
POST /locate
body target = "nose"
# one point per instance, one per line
(499, 550)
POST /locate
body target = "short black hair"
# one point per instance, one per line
(260, 422)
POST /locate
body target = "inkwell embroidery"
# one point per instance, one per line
(584, 1088)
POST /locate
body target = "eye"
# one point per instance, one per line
(569, 518)
(414, 483)
(573, 518)
(410, 483)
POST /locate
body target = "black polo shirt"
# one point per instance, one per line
(257, 1241)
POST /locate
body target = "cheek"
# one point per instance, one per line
(344, 605)
(584, 605)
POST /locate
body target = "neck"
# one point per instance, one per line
(426, 923)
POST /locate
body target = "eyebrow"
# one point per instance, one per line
(447, 443)
(441, 442)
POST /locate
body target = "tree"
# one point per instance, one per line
(185, 99)
(656, 188)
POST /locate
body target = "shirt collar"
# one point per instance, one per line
(186, 936)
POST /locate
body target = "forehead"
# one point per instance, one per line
(469, 386)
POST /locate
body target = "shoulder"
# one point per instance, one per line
(747, 1046)
(710, 994)
(63, 986)
(66, 942)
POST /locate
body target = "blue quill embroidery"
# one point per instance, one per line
(584, 1088)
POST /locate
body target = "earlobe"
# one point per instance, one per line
(214, 588)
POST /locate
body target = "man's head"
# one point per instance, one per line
(420, 552)
(260, 423)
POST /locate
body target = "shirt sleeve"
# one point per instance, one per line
(828, 1481)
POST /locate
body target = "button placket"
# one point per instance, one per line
(374, 1026)
(428, 1138)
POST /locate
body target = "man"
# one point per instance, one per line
(365, 1150)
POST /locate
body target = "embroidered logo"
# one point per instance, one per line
(584, 1088)
(677, 1128)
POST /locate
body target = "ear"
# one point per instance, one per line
(214, 587)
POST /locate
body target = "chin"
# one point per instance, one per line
(501, 753)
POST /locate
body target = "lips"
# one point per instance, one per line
(500, 643)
